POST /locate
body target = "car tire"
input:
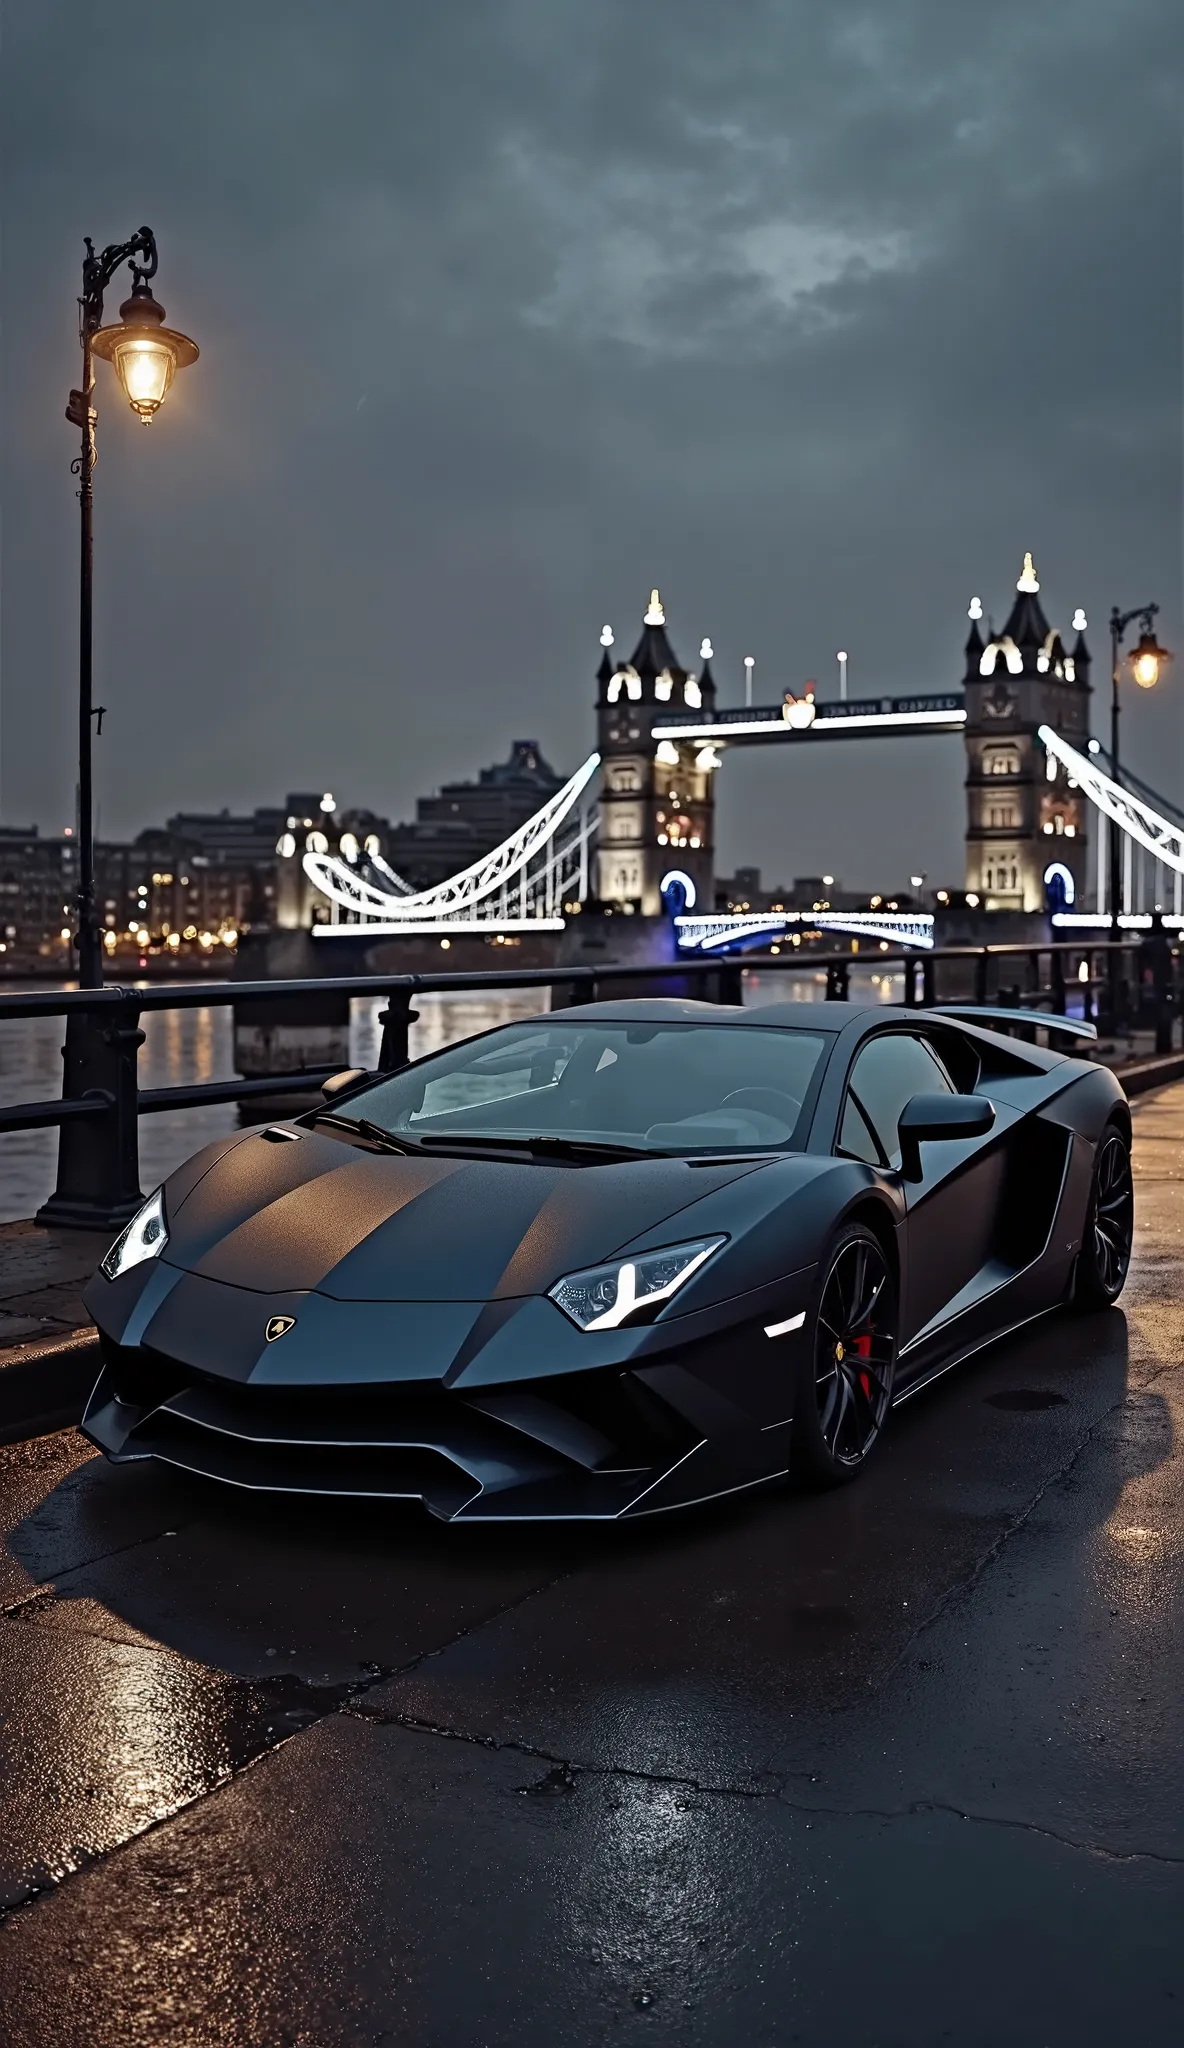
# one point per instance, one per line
(848, 1364)
(1105, 1256)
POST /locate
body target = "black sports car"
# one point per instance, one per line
(612, 1260)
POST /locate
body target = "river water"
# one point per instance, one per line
(196, 1045)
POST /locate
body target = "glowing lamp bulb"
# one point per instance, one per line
(144, 352)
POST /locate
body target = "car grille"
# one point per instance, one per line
(583, 1443)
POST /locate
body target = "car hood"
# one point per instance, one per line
(322, 1215)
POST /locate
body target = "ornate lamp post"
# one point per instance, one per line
(1146, 663)
(145, 354)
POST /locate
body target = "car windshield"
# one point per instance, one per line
(651, 1086)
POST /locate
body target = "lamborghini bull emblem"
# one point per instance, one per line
(278, 1326)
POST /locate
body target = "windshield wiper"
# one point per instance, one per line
(541, 1146)
(361, 1127)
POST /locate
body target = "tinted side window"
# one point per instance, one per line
(886, 1073)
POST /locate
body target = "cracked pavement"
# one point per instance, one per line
(895, 1766)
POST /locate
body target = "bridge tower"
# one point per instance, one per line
(657, 811)
(1022, 818)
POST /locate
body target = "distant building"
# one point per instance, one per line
(463, 821)
(745, 891)
(38, 885)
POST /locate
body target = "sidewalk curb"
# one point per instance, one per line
(1142, 1075)
(44, 1384)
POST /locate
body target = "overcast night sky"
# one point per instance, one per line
(816, 313)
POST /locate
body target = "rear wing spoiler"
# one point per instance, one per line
(988, 1017)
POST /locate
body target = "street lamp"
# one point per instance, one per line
(145, 355)
(1147, 663)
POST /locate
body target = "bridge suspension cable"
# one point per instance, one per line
(1133, 814)
(521, 885)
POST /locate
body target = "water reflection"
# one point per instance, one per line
(197, 1045)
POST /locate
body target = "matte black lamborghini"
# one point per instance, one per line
(612, 1260)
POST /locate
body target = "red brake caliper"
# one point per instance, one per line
(862, 1347)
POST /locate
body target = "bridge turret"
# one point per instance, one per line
(1020, 817)
(975, 647)
(657, 802)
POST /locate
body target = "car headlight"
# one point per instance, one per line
(630, 1290)
(144, 1238)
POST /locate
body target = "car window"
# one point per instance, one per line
(677, 1087)
(528, 1064)
(886, 1073)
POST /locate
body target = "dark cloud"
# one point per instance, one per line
(817, 316)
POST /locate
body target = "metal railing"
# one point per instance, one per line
(1134, 982)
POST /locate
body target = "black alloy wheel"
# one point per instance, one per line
(1105, 1254)
(845, 1389)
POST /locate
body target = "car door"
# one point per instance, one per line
(952, 1209)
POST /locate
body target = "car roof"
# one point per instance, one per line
(815, 1017)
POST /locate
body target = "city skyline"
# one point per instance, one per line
(818, 328)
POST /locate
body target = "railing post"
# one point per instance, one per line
(396, 1021)
(729, 982)
(1158, 954)
(1057, 978)
(982, 961)
(910, 982)
(928, 972)
(1088, 1008)
(98, 1184)
(838, 982)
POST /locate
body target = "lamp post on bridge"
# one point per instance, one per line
(1146, 663)
(145, 355)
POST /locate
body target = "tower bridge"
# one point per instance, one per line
(634, 828)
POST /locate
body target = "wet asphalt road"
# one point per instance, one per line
(899, 1765)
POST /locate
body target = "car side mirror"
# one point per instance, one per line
(338, 1083)
(928, 1117)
